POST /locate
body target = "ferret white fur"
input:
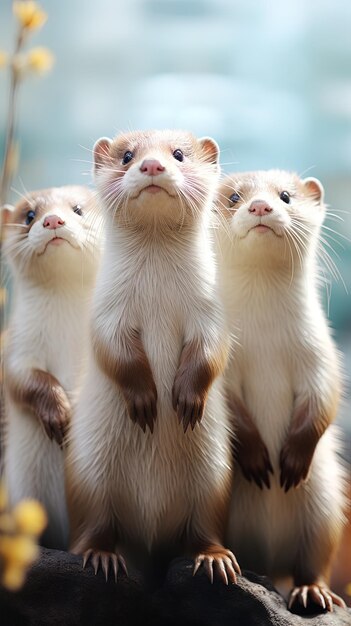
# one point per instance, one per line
(284, 359)
(157, 281)
(47, 336)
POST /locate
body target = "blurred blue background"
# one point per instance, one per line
(269, 80)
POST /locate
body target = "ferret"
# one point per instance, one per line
(149, 460)
(283, 382)
(53, 248)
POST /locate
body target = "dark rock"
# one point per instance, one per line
(59, 593)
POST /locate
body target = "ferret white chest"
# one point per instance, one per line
(54, 252)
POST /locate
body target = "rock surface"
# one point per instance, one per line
(59, 593)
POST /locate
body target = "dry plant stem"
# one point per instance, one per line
(7, 171)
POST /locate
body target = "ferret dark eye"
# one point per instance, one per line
(234, 198)
(127, 157)
(285, 196)
(30, 217)
(77, 209)
(178, 155)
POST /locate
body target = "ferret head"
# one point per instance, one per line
(156, 178)
(53, 233)
(272, 214)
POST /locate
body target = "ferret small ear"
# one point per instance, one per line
(6, 213)
(314, 188)
(210, 149)
(101, 152)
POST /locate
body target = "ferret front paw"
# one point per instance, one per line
(188, 404)
(107, 561)
(220, 559)
(314, 594)
(142, 408)
(254, 462)
(295, 461)
(55, 419)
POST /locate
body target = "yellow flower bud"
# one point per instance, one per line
(30, 517)
(13, 577)
(40, 60)
(3, 58)
(18, 550)
(6, 524)
(29, 14)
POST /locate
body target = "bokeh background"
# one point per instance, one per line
(269, 80)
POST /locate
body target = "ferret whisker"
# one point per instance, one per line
(219, 220)
(334, 217)
(225, 163)
(22, 195)
(332, 230)
(182, 208)
(287, 240)
(16, 225)
(327, 244)
(327, 258)
(331, 266)
(298, 243)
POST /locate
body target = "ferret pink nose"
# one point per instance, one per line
(53, 221)
(260, 207)
(151, 167)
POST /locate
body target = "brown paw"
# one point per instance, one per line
(255, 463)
(188, 405)
(294, 464)
(223, 560)
(105, 559)
(315, 594)
(142, 408)
(55, 420)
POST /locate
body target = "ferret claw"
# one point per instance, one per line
(317, 597)
(222, 572)
(198, 562)
(208, 563)
(105, 564)
(224, 561)
(123, 563)
(256, 468)
(114, 565)
(303, 596)
(86, 556)
(143, 411)
(336, 599)
(319, 594)
(230, 569)
(95, 560)
(105, 559)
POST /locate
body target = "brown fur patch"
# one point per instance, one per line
(99, 539)
(216, 558)
(42, 394)
(211, 518)
(206, 534)
(309, 422)
(130, 370)
(196, 373)
(250, 451)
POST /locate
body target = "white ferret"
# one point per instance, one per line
(149, 453)
(283, 383)
(53, 247)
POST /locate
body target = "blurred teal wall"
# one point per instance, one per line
(270, 80)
